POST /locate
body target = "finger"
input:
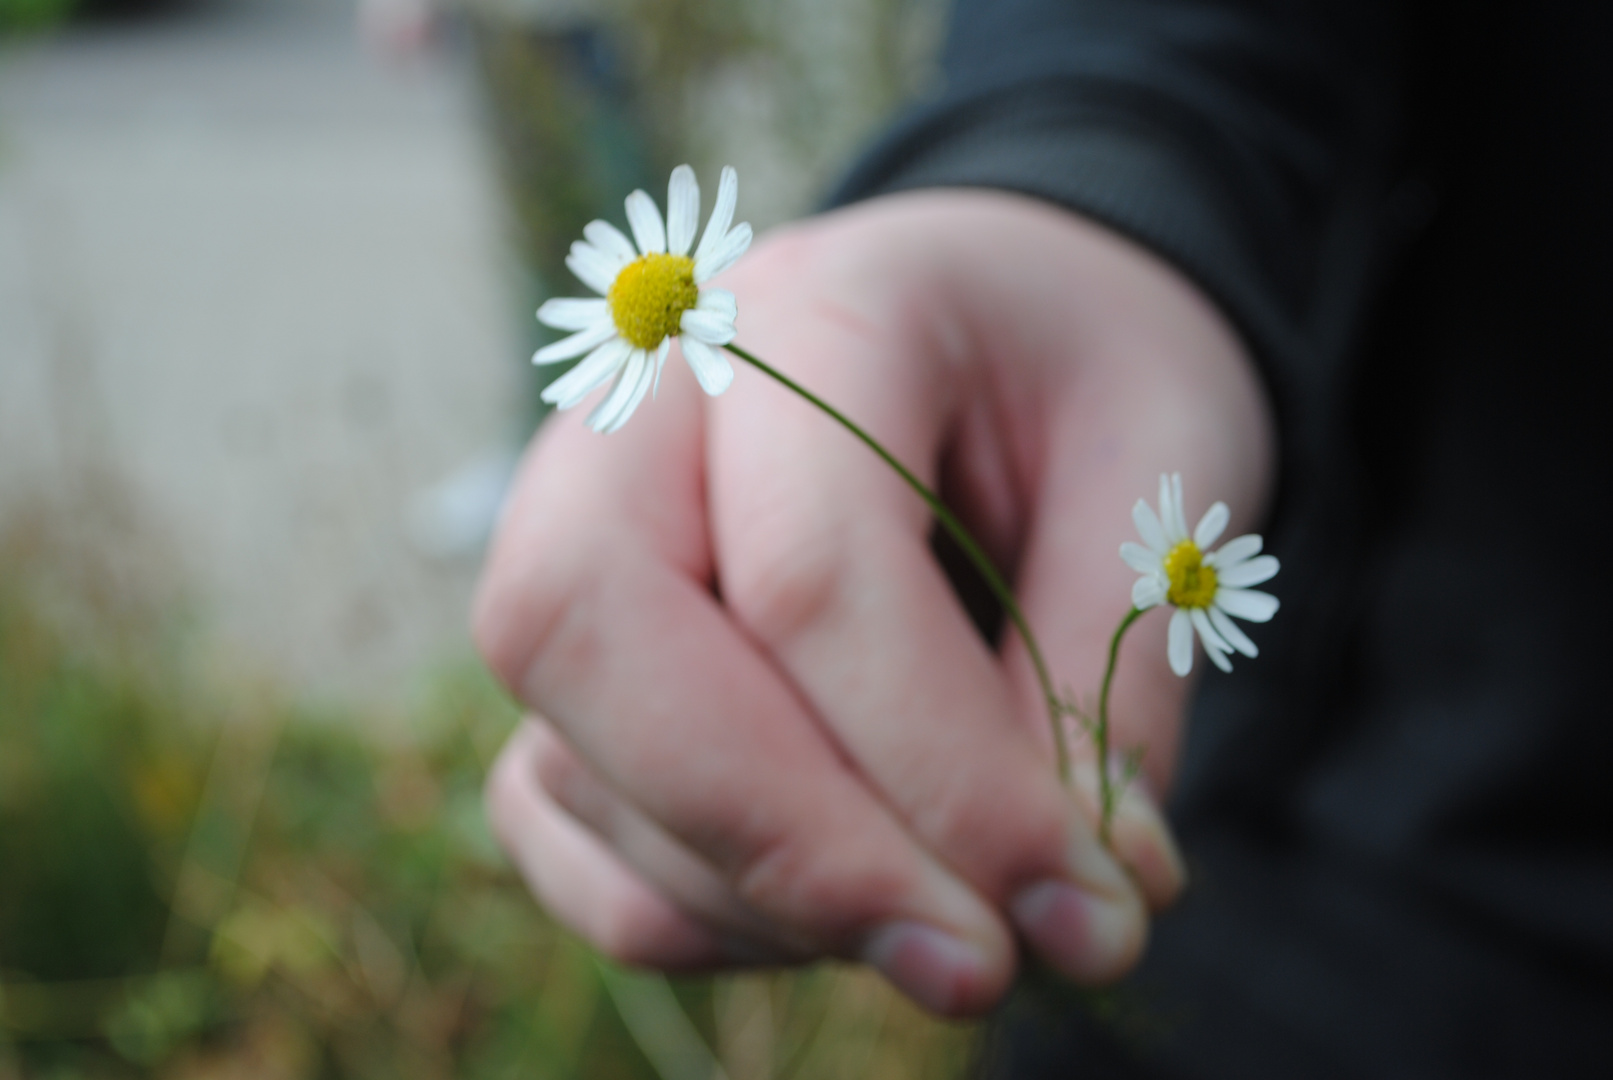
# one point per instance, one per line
(1139, 834)
(659, 860)
(1187, 387)
(596, 608)
(582, 884)
(823, 555)
(1174, 393)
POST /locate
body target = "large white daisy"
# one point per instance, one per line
(651, 294)
(1205, 587)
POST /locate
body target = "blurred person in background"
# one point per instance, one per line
(1345, 266)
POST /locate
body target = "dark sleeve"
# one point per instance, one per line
(1249, 143)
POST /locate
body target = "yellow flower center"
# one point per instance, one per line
(1192, 583)
(650, 296)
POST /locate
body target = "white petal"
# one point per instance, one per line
(719, 300)
(1211, 525)
(594, 372)
(624, 397)
(1218, 657)
(724, 254)
(1230, 631)
(593, 267)
(1253, 572)
(1181, 643)
(710, 367)
(1139, 558)
(1149, 528)
(708, 326)
(1178, 514)
(569, 314)
(645, 379)
(1146, 592)
(721, 214)
(1212, 640)
(576, 344)
(620, 390)
(682, 210)
(660, 362)
(642, 215)
(1235, 551)
(1173, 534)
(1246, 604)
(610, 241)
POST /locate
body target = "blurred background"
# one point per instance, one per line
(267, 270)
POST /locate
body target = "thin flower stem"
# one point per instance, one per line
(982, 562)
(1100, 732)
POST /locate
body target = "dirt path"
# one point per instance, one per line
(255, 276)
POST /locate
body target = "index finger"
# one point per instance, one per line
(597, 610)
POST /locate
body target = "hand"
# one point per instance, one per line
(764, 729)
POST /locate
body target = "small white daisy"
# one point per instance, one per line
(1204, 587)
(651, 294)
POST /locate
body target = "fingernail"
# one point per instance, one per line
(1089, 939)
(1095, 866)
(1158, 861)
(1140, 834)
(929, 966)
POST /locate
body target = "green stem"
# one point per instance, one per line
(977, 555)
(1100, 732)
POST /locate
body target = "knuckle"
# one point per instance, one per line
(562, 774)
(1038, 847)
(998, 842)
(828, 894)
(784, 576)
(518, 611)
(504, 800)
(640, 930)
(506, 618)
(576, 789)
(626, 933)
(773, 265)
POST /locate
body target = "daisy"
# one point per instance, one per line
(650, 294)
(1205, 587)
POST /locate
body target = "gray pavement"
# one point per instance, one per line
(258, 277)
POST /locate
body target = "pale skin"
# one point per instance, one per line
(762, 728)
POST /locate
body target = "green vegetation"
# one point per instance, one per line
(205, 880)
(24, 15)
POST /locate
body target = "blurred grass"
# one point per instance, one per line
(21, 16)
(203, 879)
